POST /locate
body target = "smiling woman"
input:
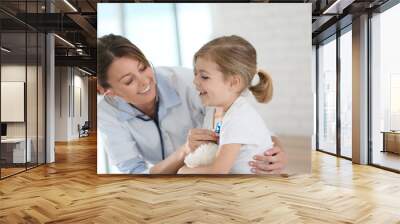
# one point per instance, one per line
(142, 109)
(133, 81)
(149, 117)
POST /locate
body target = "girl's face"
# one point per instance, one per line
(213, 89)
(133, 81)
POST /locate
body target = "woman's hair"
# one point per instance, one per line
(113, 46)
(236, 56)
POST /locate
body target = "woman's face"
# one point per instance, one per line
(133, 81)
(213, 89)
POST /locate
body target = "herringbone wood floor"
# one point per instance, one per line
(69, 191)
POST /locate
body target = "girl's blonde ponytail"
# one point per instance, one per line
(263, 91)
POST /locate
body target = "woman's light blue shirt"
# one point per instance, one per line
(131, 139)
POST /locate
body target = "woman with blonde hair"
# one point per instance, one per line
(224, 69)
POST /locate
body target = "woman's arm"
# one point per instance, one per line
(222, 164)
(272, 161)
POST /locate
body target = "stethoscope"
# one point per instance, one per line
(156, 122)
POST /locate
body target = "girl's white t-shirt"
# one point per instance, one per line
(242, 124)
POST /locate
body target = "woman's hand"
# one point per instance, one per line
(272, 161)
(199, 136)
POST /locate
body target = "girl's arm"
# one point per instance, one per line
(222, 164)
(171, 164)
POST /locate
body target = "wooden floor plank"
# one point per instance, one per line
(70, 191)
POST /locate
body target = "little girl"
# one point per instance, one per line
(224, 70)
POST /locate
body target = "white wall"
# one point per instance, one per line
(68, 83)
(284, 50)
(16, 73)
(12, 101)
(61, 103)
(33, 126)
(80, 83)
